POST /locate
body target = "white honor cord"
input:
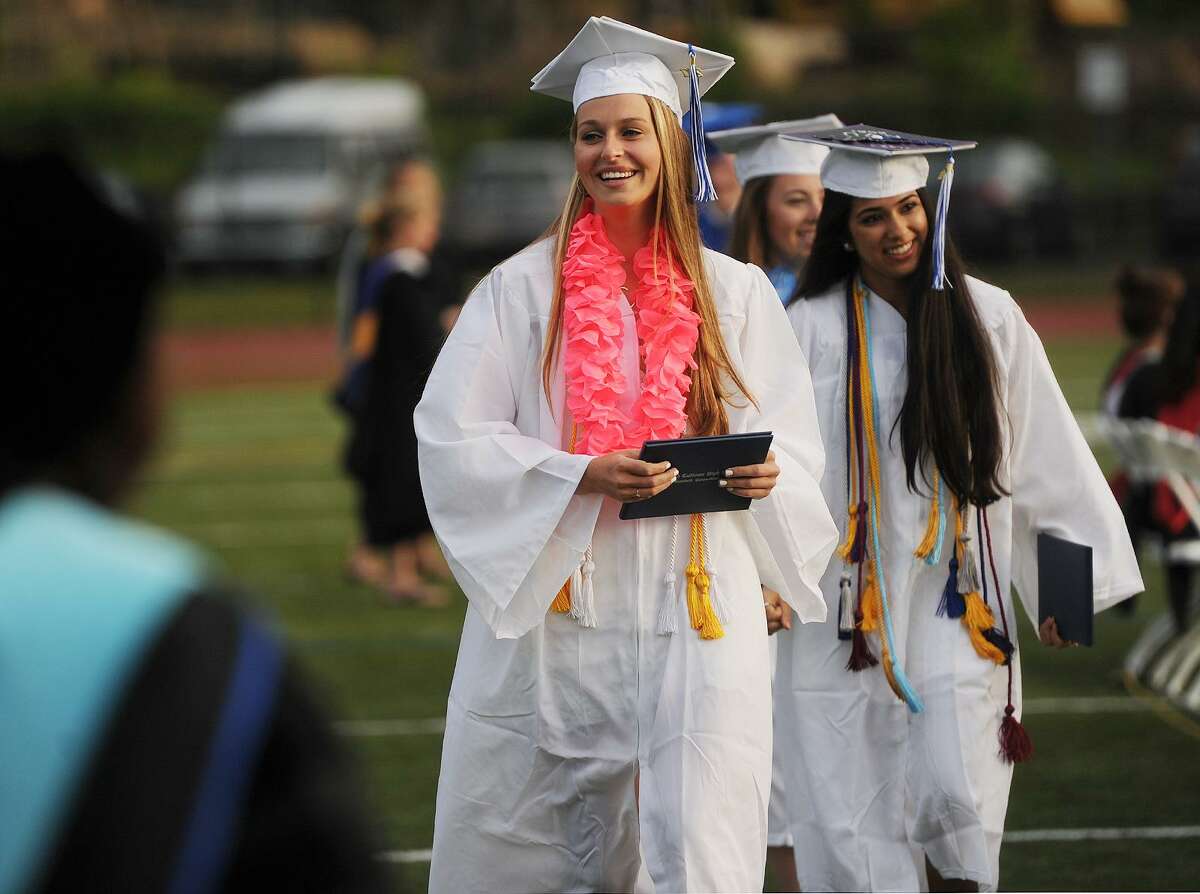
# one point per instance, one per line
(668, 609)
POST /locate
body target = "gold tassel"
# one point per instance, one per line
(562, 602)
(870, 601)
(700, 609)
(931, 526)
(851, 532)
(977, 619)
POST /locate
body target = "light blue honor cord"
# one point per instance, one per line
(910, 695)
(935, 557)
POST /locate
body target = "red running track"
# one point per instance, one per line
(253, 356)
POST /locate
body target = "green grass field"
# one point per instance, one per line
(253, 475)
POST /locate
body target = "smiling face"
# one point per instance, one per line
(617, 155)
(888, 235)
(793, 207)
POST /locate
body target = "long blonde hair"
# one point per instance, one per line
(673, 210)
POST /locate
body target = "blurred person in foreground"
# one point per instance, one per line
(1169, 390)
(412, 183)
(401, 328)
(773, 228)
(155, 737)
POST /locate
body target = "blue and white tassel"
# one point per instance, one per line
(705, 190)
(940, 281)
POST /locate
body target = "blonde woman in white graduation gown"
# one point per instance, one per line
(612, 690)
(950, 447)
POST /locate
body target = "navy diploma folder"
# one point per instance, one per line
(701, 463)
(1065, 587)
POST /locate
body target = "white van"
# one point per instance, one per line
(291, 166)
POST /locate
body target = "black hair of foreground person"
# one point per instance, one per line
(157, 736)
(951, 400)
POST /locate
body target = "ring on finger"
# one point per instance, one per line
(637, 494)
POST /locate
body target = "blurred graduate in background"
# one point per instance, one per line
(951, 446)
(611, 698)
(155, 737)
(774, 224)
(775, 220)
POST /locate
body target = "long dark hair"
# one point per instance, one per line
(748, 239)
(1175, 374)
(951, 410)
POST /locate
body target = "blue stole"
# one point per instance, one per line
(783, 278)
(83, 593)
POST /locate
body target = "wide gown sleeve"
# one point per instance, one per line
(502, 501)
(793, 523)
(1056, 483)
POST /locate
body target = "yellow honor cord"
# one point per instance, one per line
(929, 542)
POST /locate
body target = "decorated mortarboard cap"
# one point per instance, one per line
(875, 163)
(762, 152)
(608, 57)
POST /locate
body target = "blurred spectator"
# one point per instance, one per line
(412, 184)
(716, 218)
(155, 737)
(1169, 390)
(1146, 298)
(402, 321)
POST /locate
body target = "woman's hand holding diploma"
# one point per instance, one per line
(625, 478)
(755, 481)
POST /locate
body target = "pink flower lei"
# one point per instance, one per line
(667, 327)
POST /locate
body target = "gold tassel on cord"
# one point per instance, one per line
(978, 619)
(925, 548)
(851, 532)
(870, 602)
(562, 602)
(700, 608)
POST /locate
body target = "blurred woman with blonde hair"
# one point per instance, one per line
(597, 715)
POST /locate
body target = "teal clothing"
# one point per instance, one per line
(784, 278)
(82, 595)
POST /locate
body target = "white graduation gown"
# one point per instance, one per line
(870, 785)
(547, 721)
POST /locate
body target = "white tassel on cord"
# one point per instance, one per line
(668, 611)
(577, 591)
(968, 573)
(716, 594)
(588, 612)
(845, 607)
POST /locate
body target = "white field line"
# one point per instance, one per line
(1142, 833)
(405, 856)
(1105, 704)
(1026, 836)
(429, 726)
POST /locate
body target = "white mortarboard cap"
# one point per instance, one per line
(608, 57)
(876, 163)
(762, 152)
